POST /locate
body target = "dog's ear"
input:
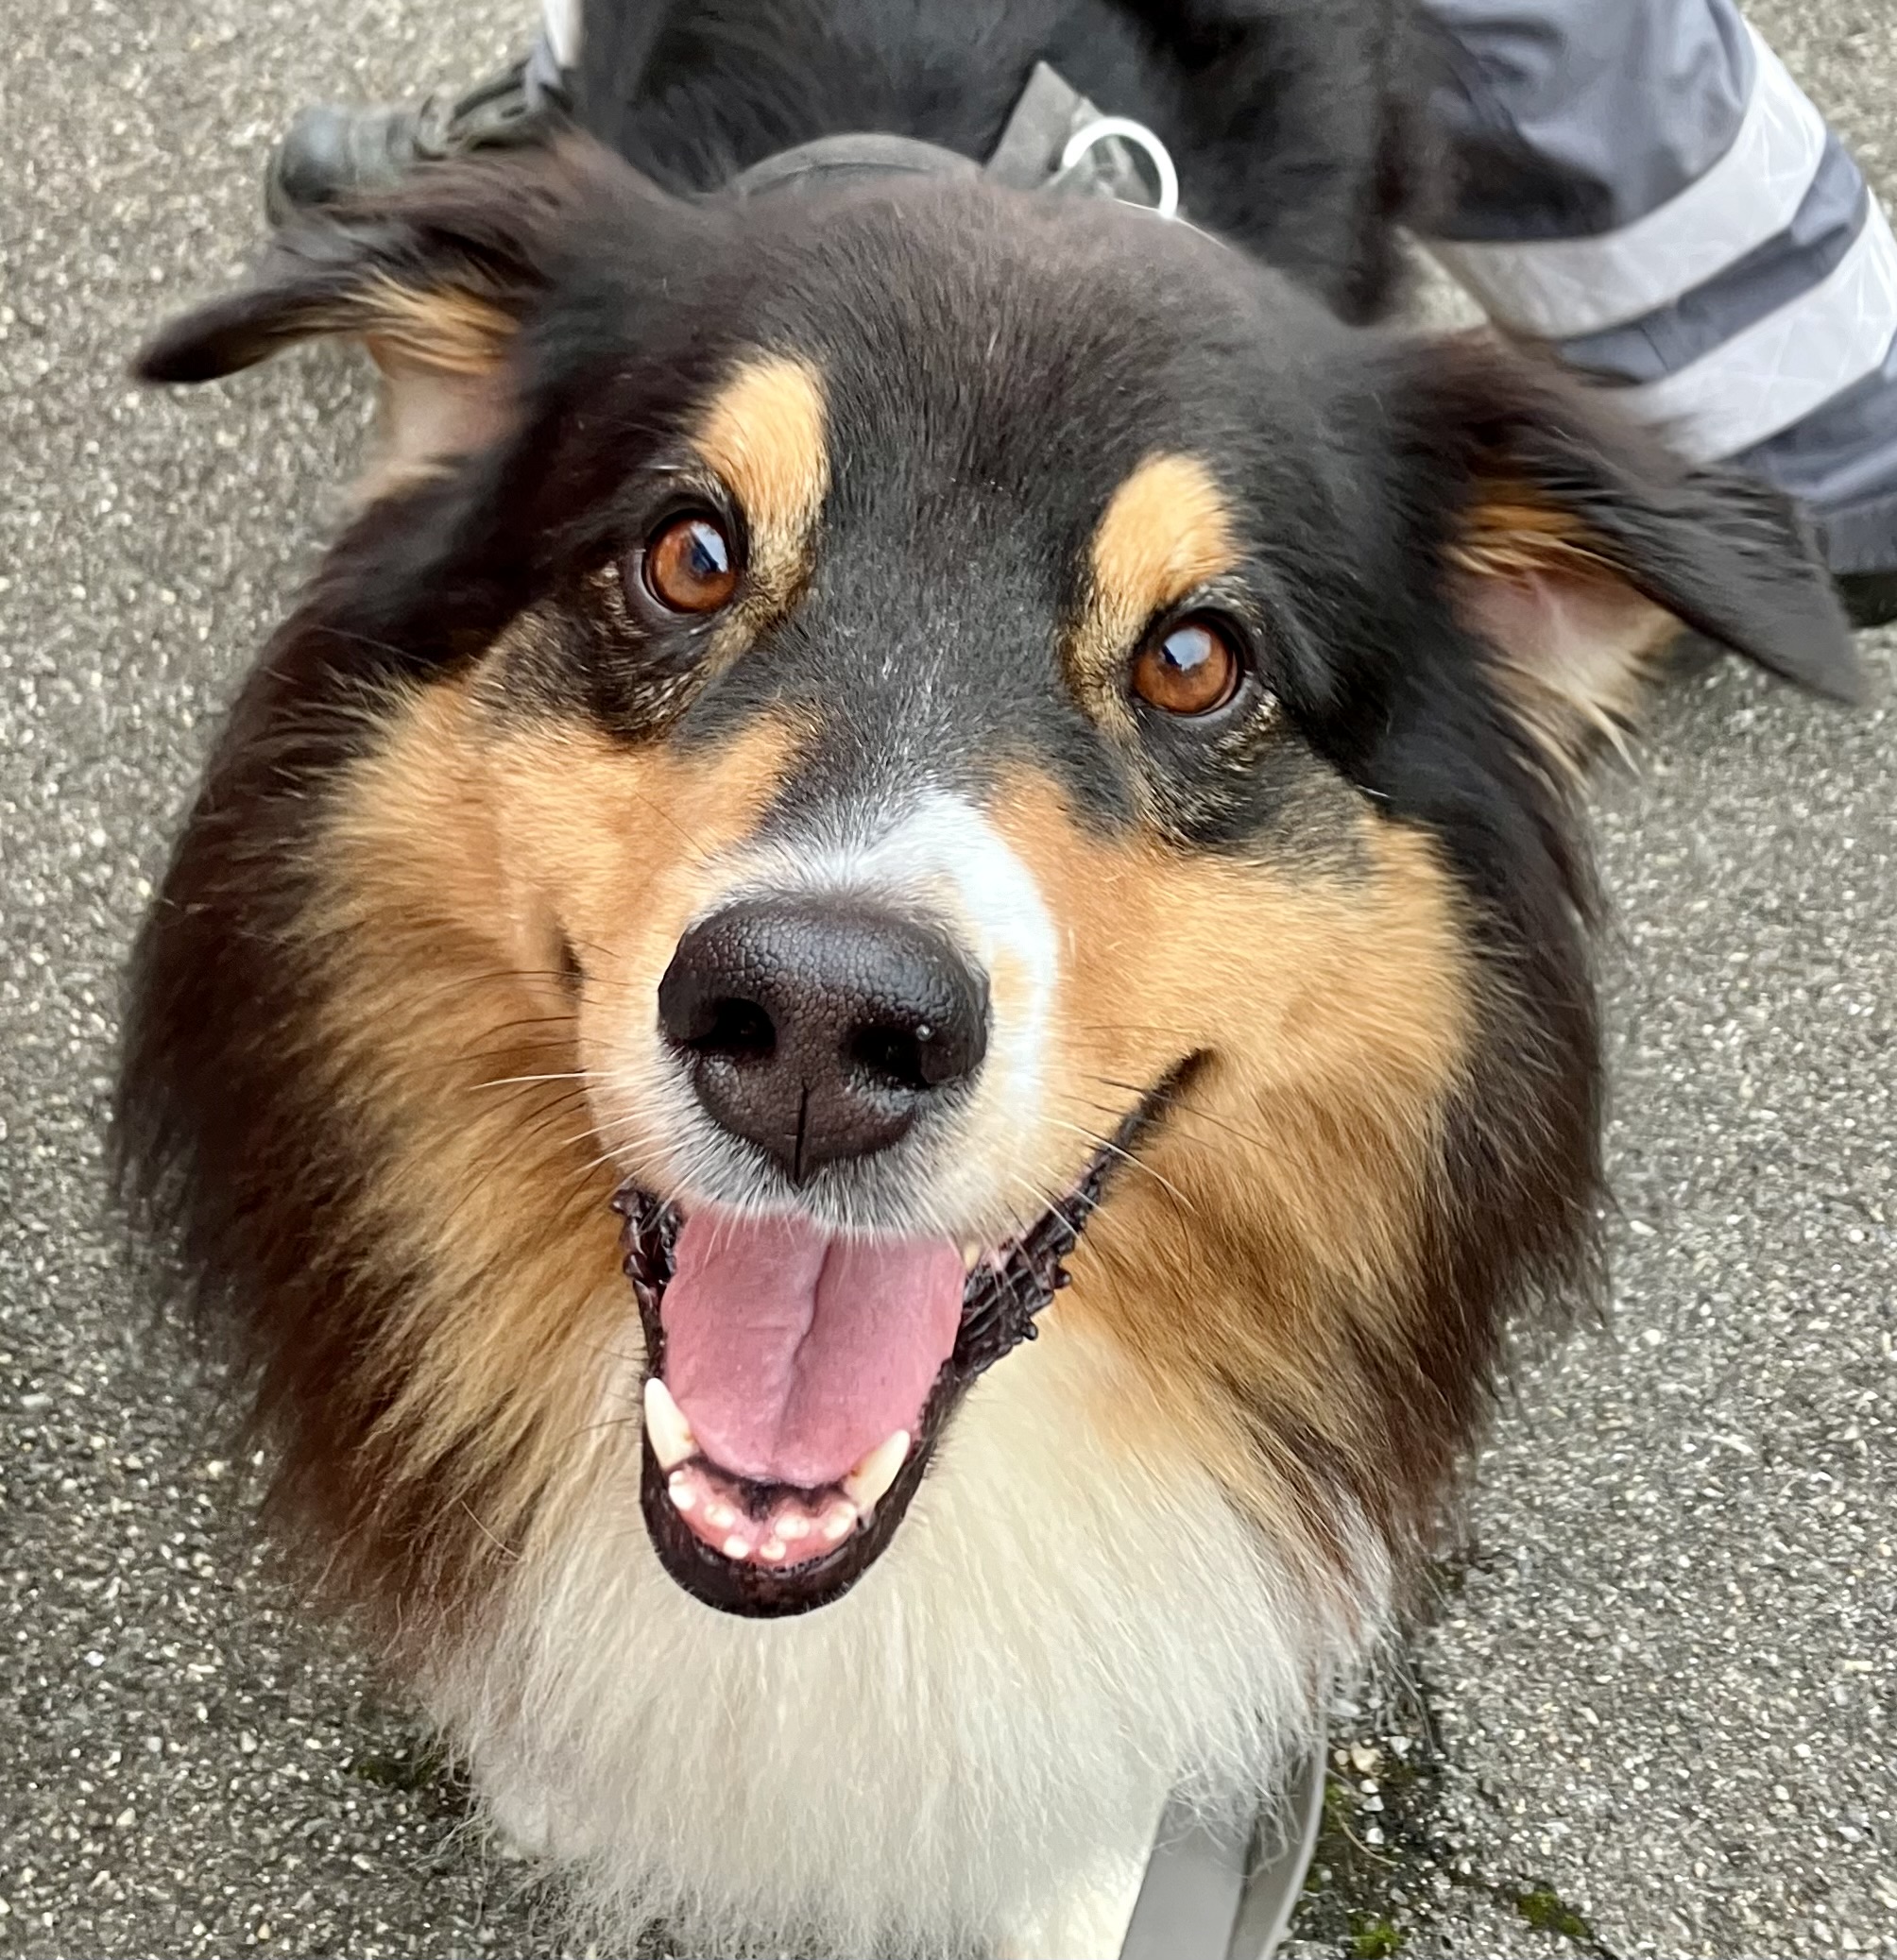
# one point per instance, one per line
(1578, 544)
(435, 278)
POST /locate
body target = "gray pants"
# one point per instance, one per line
(1644, 190)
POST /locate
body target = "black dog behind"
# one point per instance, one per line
(912, 742)
(1294, 127)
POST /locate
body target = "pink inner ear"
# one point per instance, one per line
(1574, 641)
(428, 416)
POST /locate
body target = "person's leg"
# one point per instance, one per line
(1641, 189)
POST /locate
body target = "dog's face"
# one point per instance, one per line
(870, 725)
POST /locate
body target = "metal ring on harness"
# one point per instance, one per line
(1104, 129)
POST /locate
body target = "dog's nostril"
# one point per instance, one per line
(819, 1029)
(892, 1055)
(740, 1030)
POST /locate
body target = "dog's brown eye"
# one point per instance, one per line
(689, 566)
(1188, 669)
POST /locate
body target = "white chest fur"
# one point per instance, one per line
(988, 1723)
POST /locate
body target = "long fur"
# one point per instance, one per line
(1072, 1631)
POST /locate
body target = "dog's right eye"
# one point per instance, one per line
(690, 565)
(1190, 667)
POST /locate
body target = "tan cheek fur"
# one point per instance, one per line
(459, 850)
(1266, 1220)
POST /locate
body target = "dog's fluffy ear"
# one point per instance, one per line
(1580, 543)
(435, 278)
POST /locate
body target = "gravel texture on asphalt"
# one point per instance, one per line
(1655, 1713)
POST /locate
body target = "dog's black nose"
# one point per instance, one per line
(819, 1029)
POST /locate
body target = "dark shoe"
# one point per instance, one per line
(1870, 597)
(330, 153)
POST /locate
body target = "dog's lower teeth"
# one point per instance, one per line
(697, 1489)
(666, 1428)
(869, 1482)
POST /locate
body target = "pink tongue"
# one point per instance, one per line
(793, 1355)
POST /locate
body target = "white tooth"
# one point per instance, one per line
(721, 1517)
(666, 1428)
(840, 1523)
(868, 1482)
(971, 1254)
(772, 1548)
(682, 1494)
(793, 1526)
(735, 1547)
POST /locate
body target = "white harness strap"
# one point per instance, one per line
(1227, 1891)
(560, 24)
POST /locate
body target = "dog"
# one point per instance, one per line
(889, 768)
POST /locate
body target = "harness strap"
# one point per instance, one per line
(1055, 141)
(1225, 1888)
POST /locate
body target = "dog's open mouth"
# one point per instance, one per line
(797, 1382)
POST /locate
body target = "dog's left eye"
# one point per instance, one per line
(690, 565)
(1189, 668)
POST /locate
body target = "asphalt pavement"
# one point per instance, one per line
(1654, 1712)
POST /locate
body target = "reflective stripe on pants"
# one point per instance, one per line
(1642, 188)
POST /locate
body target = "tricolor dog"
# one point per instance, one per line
(894, 764)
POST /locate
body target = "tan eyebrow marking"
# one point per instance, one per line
(766, 435)
(1166, 531)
